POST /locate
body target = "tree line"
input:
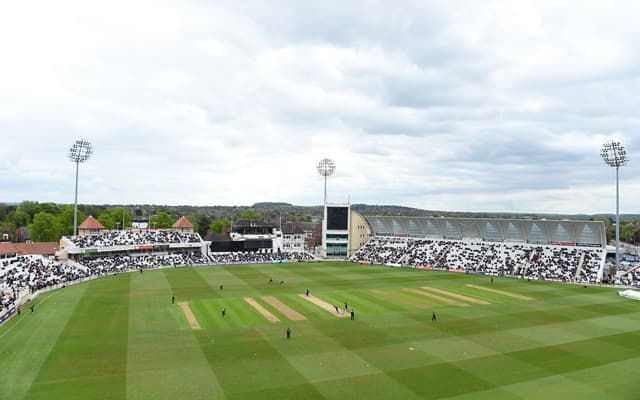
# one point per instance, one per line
(48, 222)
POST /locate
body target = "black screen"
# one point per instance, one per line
(337, 218)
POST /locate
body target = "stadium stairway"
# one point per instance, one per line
(579, 269)
(77, 265)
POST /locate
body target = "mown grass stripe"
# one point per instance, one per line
(27, 346)
(90, 357)
(408, 301)
(187, 284)
(356, 302)
(388, 304)
(164, 360)
(267, 369)
(401, 346)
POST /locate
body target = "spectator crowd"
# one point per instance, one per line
(253, 257)
(524, 260)
(32, 273)
(23, 274)
(131, 237)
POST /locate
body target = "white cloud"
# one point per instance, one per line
(464, 105)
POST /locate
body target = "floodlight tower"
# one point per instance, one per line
(325, 167)
(614, 155)
(78, 153)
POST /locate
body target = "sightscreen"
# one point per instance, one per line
(337, 218)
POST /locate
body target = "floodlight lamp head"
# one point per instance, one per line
(80, 151)
(614, 154)
(326, 166)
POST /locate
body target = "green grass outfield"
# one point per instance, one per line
(121, 338)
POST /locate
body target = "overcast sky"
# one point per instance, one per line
(498, 106)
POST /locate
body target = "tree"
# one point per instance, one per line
(220, 225)
(30, 208)
(94, 210)
(66, 219)
(636, 232)
(627, 231)
(33, 207)
(161, 220)
(18, 218)
(107, 220)
(251, 215)
(121, 217)
(4, 211)
(202, 222)
(45, 228)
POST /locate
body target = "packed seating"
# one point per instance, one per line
(33, 273)
(190, 237)
(382, 251)
(122, 263)
(552, 263)
(631, 278)
(297, 256)
(131, 237)
(24, 274)
(530, 261)
(629, 273)
(249, 257)
(7, 299)
(590, 267)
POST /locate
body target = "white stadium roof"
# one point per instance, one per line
(565, 232)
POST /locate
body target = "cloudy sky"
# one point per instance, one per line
(444, 105)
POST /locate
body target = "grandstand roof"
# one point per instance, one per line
(585, 233)
(42, 248)
(7, 248)
(183, 222)
(91, 223)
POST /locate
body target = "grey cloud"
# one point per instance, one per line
(452, 104)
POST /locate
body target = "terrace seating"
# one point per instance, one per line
(33, 272)
(382, 251)
(257, 257)
(134, 237)
(122, 263)
(590, 267)
(559, 263)
(629, 278)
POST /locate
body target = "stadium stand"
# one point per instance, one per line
(252, 257)
(132, 237)
(567, 251)
(100, 252)
(123, 263)
(541, 250)
(31, 273)
(630, 276)
(560, 263)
